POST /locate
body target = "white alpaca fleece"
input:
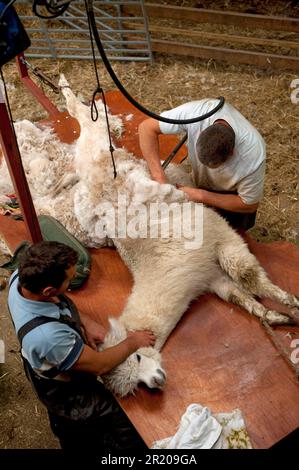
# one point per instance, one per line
(45, 159)
(49, 167)
(120, 379)
(167, 274)
(138, 367)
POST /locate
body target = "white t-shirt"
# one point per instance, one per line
(244, 171)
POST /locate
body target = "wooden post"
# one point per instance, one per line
(17, 174)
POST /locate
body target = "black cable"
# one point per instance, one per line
(55, 12)
(94, 112)
(99, 89)
(91, 19)
(92, 25)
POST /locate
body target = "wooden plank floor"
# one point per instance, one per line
(218, 355)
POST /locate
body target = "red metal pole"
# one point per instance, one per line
(33, 88)
(16, 170)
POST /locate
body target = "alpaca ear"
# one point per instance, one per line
(116, 329)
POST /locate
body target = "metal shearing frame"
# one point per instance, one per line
(67, 37)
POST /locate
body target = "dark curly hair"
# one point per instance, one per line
(44, 264)
(215, 144)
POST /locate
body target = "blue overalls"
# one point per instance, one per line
(83, 414)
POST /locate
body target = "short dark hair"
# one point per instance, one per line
(215, 144)
(44, 264)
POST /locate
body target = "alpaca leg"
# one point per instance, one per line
(74, 106)
(243, 267)
(227, 290)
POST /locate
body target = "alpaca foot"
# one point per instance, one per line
(276, 318)
(63, 83)
(294, 302)
(288, 299)
(294, 314)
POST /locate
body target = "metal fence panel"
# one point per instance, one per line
(67, 37)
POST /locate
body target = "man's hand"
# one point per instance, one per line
(194, 194)
(94, 331)
(142, 339)
(102, 362)
(160, 178)
(149, 131)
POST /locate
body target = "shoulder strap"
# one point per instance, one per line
(13, 279)
(31, 324)
(74, 322)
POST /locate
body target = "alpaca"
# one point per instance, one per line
(222, 264)
(89, 202)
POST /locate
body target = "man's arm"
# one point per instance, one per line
(94, 331)
(229, 202)
(149, 131)
(102, 362)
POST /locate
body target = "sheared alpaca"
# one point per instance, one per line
(167, 275)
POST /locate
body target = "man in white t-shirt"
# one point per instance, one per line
(227, 155)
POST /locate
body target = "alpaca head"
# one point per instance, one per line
(144, 366)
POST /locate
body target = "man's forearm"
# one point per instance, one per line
(102, 362)
(149, 144)
(229, 202)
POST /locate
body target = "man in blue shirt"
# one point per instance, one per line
(59, 349)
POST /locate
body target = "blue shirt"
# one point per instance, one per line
(48, 345)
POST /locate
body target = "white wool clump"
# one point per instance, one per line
(74, 182)
(45, 159)
(54, 184)
(6, 186)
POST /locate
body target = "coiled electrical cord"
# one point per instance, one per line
(92, 21)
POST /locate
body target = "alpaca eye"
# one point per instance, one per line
(138, 357)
